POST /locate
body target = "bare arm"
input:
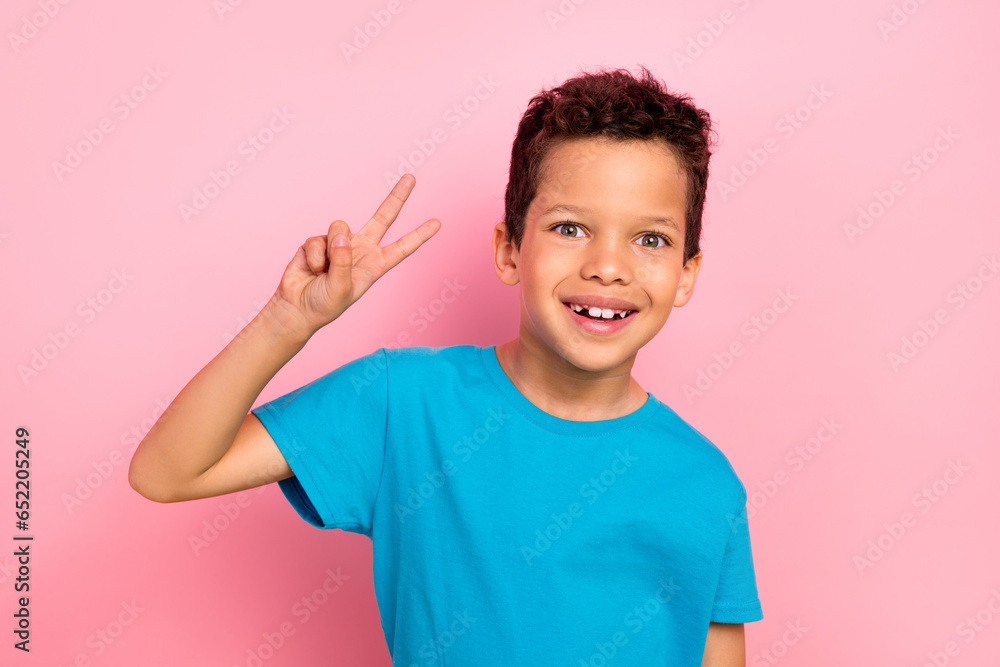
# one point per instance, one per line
(183, 456)
(725, 646)
(207, 443)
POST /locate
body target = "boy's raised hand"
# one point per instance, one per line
(331, 272)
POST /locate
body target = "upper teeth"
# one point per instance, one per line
(594, 311)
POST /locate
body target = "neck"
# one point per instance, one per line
(558, 387)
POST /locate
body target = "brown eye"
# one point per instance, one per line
(567, 224)
(666, 240)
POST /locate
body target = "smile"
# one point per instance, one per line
(598, 325)
(599, 314)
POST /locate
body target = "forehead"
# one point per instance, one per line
(610, 173)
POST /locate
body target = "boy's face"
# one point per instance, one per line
(589, 232)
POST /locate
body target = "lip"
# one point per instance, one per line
(600, 301)
(595, 327)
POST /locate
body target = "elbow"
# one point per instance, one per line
(141, 485)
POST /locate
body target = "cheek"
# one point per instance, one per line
(657, 273)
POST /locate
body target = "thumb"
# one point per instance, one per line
(340, 254)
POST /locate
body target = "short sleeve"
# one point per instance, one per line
(736, 599)
(332, 434)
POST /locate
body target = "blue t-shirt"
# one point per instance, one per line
(503, 535)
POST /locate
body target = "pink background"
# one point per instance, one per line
(103, 555)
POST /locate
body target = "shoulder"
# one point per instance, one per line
(698, 451)
(431, 363)
(424, 357)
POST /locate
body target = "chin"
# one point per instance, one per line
(596, 357)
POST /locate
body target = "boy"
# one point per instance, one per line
(528, 503)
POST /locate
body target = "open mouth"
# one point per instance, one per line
(599, 314)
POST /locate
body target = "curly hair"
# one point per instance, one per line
(617, 105)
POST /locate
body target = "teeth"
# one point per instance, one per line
(597, 312)
(594, 311)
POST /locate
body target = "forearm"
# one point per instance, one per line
(725, 645)
(201, 423)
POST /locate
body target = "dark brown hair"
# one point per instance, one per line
(611, 104)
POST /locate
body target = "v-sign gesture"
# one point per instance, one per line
(331, 272)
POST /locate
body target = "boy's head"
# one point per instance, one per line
(618, 106)
(603, 210)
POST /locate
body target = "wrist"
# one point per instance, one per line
(279, 320)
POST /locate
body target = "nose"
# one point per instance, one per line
(607, 260)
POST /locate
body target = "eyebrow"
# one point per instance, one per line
(576, 210)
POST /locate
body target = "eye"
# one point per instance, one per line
(571, 225)
(666, 239)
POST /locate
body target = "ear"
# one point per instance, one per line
(505, 255)
(689, 274)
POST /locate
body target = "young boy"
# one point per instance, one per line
(528, 503)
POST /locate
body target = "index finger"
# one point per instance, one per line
(387, 211)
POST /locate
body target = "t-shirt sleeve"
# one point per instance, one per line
(736, 599)
(332, 434)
